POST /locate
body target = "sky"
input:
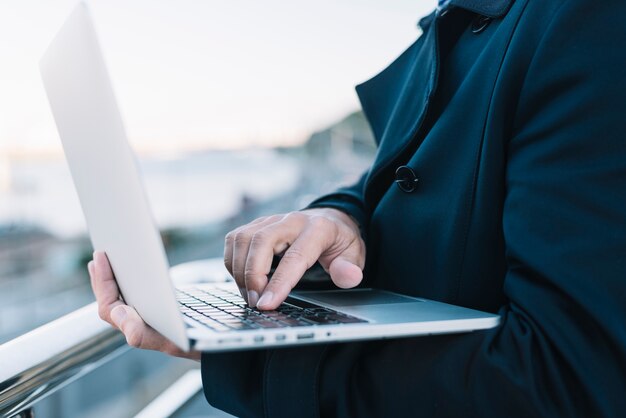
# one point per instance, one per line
(198, 74)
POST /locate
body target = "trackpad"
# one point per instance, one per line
(357, 297)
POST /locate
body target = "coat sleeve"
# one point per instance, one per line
(349, 200)
(560, 350)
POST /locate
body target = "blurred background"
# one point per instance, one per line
(236, 109)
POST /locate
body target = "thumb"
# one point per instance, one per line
(344, 272)
(118, 315)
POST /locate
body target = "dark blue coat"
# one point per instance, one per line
(517, 134)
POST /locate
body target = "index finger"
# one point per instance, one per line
(298, 258)
(104, 286)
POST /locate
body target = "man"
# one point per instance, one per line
(500, 184)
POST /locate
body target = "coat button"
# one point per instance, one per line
(443, 12)
(480, 23)
(406, 179)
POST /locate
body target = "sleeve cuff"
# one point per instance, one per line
(346, 203)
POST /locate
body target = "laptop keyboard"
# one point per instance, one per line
(223, 310)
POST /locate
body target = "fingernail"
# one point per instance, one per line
(253, 297)
(244, 293)
(90, 267)
(118, 315)
(265, 300)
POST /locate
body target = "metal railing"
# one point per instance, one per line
(42, 361)
(39, 363)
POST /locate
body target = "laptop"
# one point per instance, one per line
(207, 317)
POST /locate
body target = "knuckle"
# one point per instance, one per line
(227, 261)
(320, 222)
(134, 338)
(294, 255)
(251, 275)
(103, 313)
(275, 218)
(241, 238)
(294, 216)
(238, 272)
(230, 237)
(228, 258)
(281, 281)
(260, 237)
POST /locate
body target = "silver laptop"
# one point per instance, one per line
(204, 317)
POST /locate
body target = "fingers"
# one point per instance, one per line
(104, 286)
(123, 317)
(267, 242)
(139, 335)
(236, 249)
(303, 237)
(111, 309)
(301, 255)
(345, 273)
(241, 246)
(345, 262)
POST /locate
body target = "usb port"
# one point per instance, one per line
(280, 337)
(308, 336)
(232, 340)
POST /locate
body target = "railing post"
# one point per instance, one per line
(46, 359)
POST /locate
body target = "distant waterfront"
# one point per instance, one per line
(183, 191)
(196, 198)
(43, 242)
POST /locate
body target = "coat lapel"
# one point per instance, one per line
(490, 8)
(396, 100)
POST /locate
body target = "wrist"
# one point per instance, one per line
(337, 215)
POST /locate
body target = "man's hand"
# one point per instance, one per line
(111, 309)
(325, 235)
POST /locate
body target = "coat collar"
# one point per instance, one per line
(490, 8)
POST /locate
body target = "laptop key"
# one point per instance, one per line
(223, 311)
(276, 315)
(268, 324)
(240, 326)
(319, 310)
(231, 320)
